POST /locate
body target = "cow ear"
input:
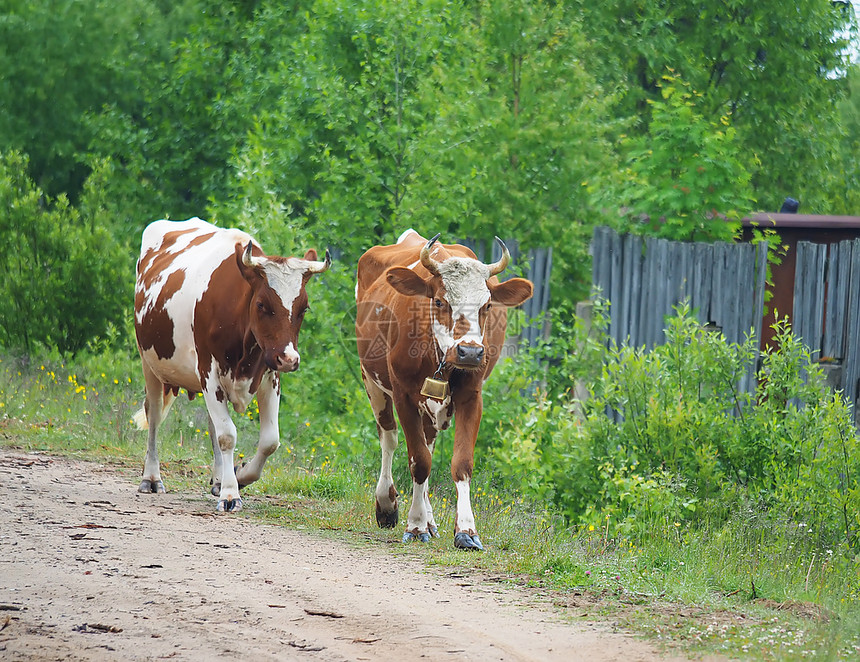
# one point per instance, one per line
(512, 292)
(311, 255)
(407, 282)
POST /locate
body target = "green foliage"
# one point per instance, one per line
(337, 147)
(61, 60)
(685, 173)
(846, 199)
(520, 138)
(63, 277)
(171, 148)
(383, 116)
(772, 66)
(668, 436)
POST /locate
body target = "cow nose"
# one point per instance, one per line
(288, 362)
(470, 354)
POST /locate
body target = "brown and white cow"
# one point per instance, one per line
(214, 315)
(430, 318)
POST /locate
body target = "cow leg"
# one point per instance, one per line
(151, 478)
(225, 436)
(432, 529)
(215, 480)
(386, 492)
(268, 401)
(430, 435)
(419, 517)
(468, 406)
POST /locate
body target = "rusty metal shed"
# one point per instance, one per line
(792, 229)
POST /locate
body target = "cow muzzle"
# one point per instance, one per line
(469, 355)
(285, 361)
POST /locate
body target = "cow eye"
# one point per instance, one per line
(438, 303)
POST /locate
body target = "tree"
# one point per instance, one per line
(520, 137)
(849, 171)
(772, 66)
(684, 179)
(61, 60)
(171, 148)
(341, 136)
(431, 115)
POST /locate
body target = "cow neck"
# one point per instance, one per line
(440, 355)
(251, 363)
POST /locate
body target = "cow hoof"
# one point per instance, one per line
(386, 520)
(463, 540)
(230, 505)
(151, 487)
(420, 537)
(434, 531)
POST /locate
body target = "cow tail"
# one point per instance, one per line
(140, 419)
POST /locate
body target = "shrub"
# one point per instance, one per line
(63, 278)
(668, 436)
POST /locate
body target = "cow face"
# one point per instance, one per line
(462, 293)
(278, 302)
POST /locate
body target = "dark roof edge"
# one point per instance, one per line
(774, 220)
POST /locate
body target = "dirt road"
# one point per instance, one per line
(91, 570)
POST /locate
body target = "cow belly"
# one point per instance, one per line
(238, 393)
(222, 385)
(180, 370)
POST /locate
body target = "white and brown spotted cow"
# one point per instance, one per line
(214, 315)
(431, 320)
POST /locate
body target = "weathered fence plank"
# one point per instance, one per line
(838, 281)
(807, 315)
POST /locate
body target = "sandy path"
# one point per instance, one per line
(83, 554)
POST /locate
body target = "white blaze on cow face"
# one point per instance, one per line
(286, 280)
(466, 291)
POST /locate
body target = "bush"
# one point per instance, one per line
(668, 436)
(63, 278)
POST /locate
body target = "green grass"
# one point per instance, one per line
(737, 590)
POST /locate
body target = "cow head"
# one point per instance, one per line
(462, 291)
(278, 301)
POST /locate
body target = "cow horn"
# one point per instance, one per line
(429, 263)
(317, 267)
(502, 264)
(504, 261)
(247, 258)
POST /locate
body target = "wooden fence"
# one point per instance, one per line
(645, 278)
(826, 313)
